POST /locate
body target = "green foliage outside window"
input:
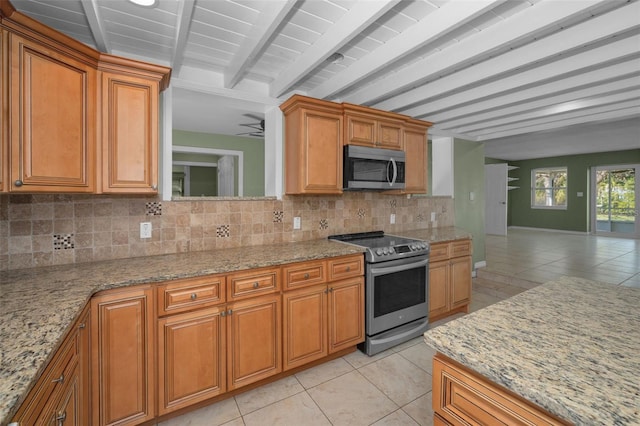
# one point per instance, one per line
(615, 195)
(549, 188)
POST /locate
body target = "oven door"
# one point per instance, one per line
(396, 293)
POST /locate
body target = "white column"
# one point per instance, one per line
(166, 143)
(273, 153)
(442, 165)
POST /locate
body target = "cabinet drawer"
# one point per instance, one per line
(187, 294)
(439, 252)
(460, 248)
(49, 388)
(346, 267)
(304, 274)
(253, 282)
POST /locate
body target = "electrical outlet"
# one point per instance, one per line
(145, 229)
(296, 222)
(392, 219)
(433, 216)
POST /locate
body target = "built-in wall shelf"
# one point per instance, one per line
(509, 187)
(510, 178)
(512, 167)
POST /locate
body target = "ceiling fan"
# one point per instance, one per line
(257, 126)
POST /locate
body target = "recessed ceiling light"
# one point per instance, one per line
(145, 3)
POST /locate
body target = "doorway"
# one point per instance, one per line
(614, 201)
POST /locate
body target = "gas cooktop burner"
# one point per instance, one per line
(380, 247)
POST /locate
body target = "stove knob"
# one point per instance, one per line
(413, 246)
(385, 251)
(391, 250)
(379, 252)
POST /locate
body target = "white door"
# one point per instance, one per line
(495, 192)
(614, 200)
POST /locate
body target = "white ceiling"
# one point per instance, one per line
(497, 71)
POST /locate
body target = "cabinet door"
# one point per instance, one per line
(360, 130)
(460, 281)
(129, 134)
(415, 147)
(390, 134)
(52, 112)
(191, 358)
(123, 358)
(322, 172)
(346, 313)
(254, 340)
(438, 288)
(305, 325)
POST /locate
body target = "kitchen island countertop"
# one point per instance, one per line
(570, 346)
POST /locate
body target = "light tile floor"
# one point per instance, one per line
(394, 387)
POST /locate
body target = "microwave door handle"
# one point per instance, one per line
(395, 171)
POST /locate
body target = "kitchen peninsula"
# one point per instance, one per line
(570, 347)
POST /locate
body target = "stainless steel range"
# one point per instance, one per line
(396, 288)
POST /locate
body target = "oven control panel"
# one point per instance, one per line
(415, 248)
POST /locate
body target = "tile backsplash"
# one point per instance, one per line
(41, 230)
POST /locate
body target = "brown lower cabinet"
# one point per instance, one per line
(61, 397)
(123, 361)
(155, 349)
(463, 397)
(449, 278)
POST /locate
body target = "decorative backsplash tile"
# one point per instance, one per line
(420, 218)
(63, 241)
(324, 224)
(278, 216)
(223, 231)
(361, 213)
(154, 208)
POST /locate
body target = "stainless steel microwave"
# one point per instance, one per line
(372, 168)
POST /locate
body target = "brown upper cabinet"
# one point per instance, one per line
(74, 119)
(316, 131)
(313, 146)
(371, 127)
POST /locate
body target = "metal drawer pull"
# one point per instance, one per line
(59, 379)
(306, 276)
(331, 289)
(61, 418)
(194, 296)
(223, 313)
(348, 268)
(230, 311)
(256, 285)
(18, 183)
(82, 325)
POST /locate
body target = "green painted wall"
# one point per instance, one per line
(468, 176)
(253, 154)
(576, 216)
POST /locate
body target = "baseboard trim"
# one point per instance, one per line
(529, 228)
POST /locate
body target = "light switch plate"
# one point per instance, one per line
(392, 218)
(296, 222)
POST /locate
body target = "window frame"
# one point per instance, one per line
(553, 189)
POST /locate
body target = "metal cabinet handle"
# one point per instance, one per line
(348, 268)
(194, 296)
(59, 379)
(17, 183)
(230, 311)
(256, 285)
(223, 313)
(82, 325)
(154, 186)
(306, 276)
(61, 418)
(326, 291)
(331, 289)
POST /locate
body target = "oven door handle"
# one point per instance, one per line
(381, 270)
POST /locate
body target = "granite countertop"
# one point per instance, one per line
(38, 305)
(435, 235)
(570, 346)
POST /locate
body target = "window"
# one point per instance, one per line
(549, 188)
